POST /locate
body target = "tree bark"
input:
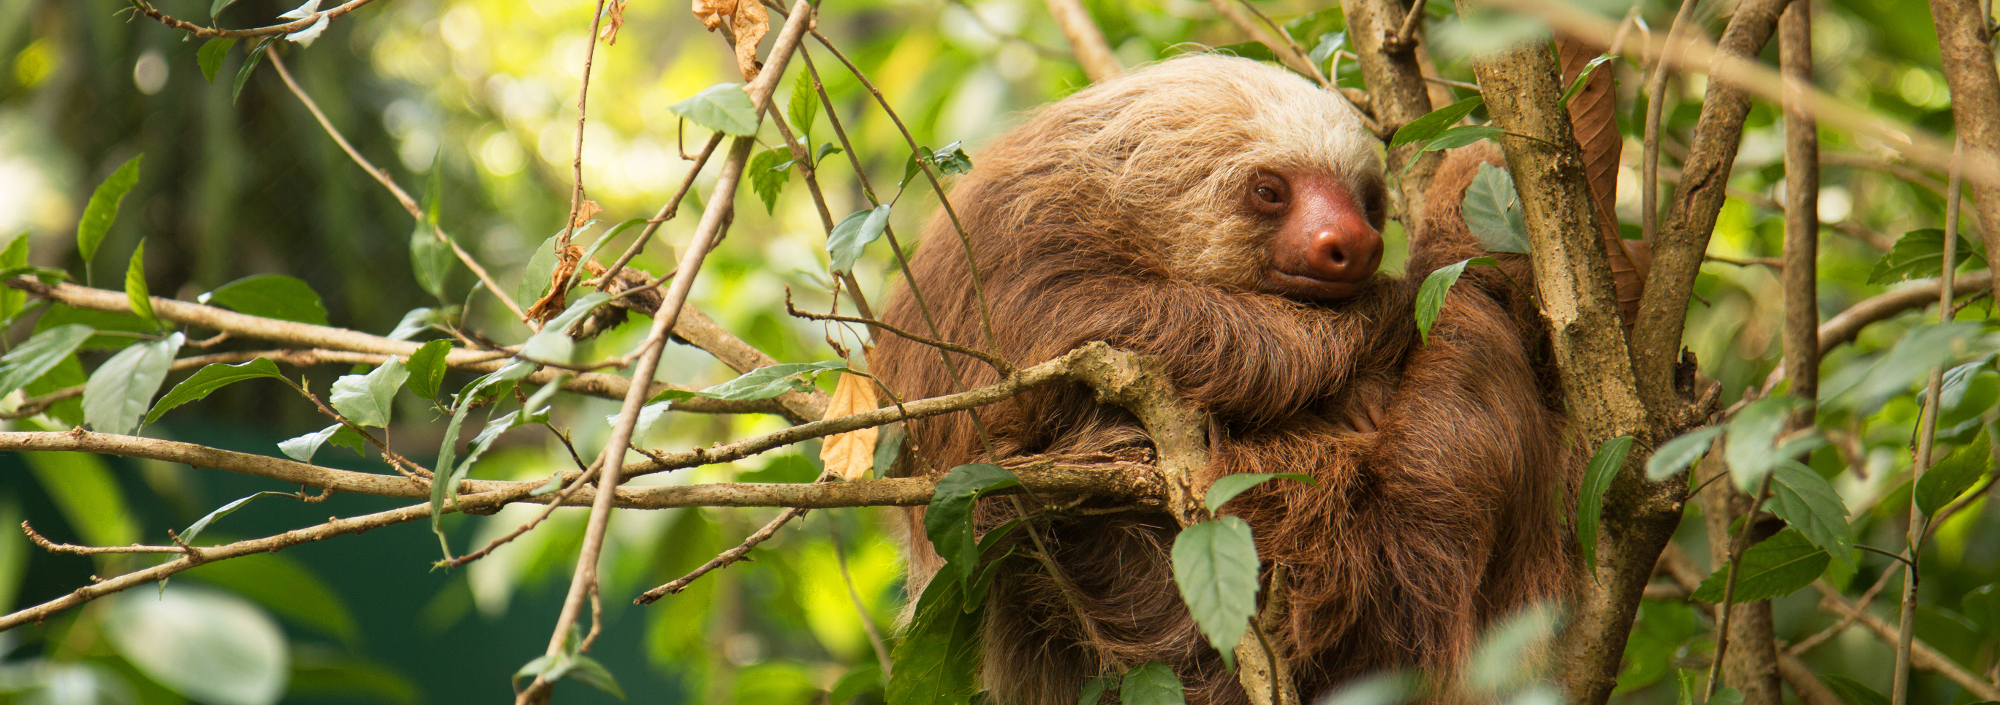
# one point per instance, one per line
(1975, 102)
(1396, 91)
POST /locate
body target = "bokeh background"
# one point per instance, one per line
(485, 91)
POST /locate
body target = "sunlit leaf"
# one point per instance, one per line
(210, 378)
(853, 234)
(1753, 437)
(303, 448)
(102, 210)
(119, 392)
(1597, 477)
(1809, 504)
(1430, 295)
(768, 172)
(1775, 567)
(305, 37)
(301, 12)
(270, 296)
(723, 107)
(135, 284)
(541, 269)
(1954, 474)
(427, 368)
(771, 381)
(37, 355)
(1919, 254)
(1453, 139)
(13, 256)
(213, 51)
(1896, 372)
(1215, 566)
(1676, 455)
(1151, 683)
(212, 647)
(850, 455)
(1436, 122)
(1226, 488)
(368, 400)
(196, 528)
(1329, 44)
(1492, 211)
(803, 108)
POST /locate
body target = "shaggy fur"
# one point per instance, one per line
(1118, 214)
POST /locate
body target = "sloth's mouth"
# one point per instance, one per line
(1313, 289)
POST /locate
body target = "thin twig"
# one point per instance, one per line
(1867, 597)
(381, 176)
(73, 549)
(582, 101)
(200, 32)
(999, 364)
(724, 559)
(1656, 94)
(1728, 605)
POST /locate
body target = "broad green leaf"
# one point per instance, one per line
(723, 107)
(1227, 487)
(1753, 438)
(15, 255)
(771, 381)
(119, 392)
(215, 9)
(207, 645)
(1152, 683)
(1215, 565)
(285, 586)
(648, 415)
(1676, 455)
(304, 447)
(1329, 44)
(938, 658)
(553, 343)
(541, 268)
(427, 368)
(1597, 476)
(1093, 690)
(1453, 139)
(864, 678)
(104, 322)
(1430, 296)
(1435, 123)
(1851, 691)
(213, 51)
(888, 446)
(1662, 629)
(135, 285)
(66, 374)
(102, 210)
(1496, 663)
(948, 522)
(485, 439)
(1982, 606)
(449, 471)
(196, 528)
(768, 172)
(1726, 696)
(1805, 501)
(270, 296)
(430, 259)
(1776, 567)
(367, 400)
(250, 62)
(1896, 372)
(1952, 476)
(1576, 84)
(420, 319)
(33, 358)
(951, 159)
(1919, 254)
(588, 671)
(1968, 391)
(827, 149)
(853, 234)
(803, 110)
(87, 494)
(1492, 210)
(210, 378)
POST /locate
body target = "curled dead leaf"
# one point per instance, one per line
(614, 21)
(750, 24)
(711, 12)
(852, 454)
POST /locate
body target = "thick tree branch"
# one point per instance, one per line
(1086, 41)
(1396, 92)
(1522, 88)
(1966, 49)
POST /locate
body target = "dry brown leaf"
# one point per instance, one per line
(1593, 117)
(585, 211)
(852, 454)
(750, 24)
(616, 17)
(711, 12)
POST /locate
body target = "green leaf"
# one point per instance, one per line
(135, 285)
(1753, 437)
(12, 300)
(853, 234)
(213, 51)
(771, 381)
(553, 343)
(250, 62)
(1492, 210)
(1968, 391)
(1805, 501)
(1982, 606)
(1851, 691)
(769, 171)
(103, 322)
(1919, 351)
(1778, 566)
(1948, 478)
(948, 522)
(1597, 477)
(648, 415)
(951, 159)
(215, 9)
(938, 658)
(196, 528)
(367, 400)
(419, 319)
(1215, 565)
(1329, 44)
(448, 471)
(1430, 296)
(66, 374)
(803, 110)
(434, 189)
(541, 270)
(206, 645)
(284, 586)
(1435, 123)
(888, 445)
(827, 149)
(427, 368)
(1676, 455)
(303, 448)
(1726, 696)
(118, 393)
(1919, 254)
(1152, 683)
(270, 296)
(1496, 663)
(210, 378)
(865, 678)
(431, 260)
(88, 495)
(1576, 85)
(723, 107)
(102, 210)
(480, 443)
(33, 358)
(1226, 488)
(588, 671)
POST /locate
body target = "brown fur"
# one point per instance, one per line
(1115, 215)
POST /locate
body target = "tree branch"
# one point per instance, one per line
(1966, 49)
(1396, 93)
(1085, 39)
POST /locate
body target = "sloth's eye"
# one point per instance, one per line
(1267, 194)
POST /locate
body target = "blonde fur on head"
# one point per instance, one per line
(1137, 142)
